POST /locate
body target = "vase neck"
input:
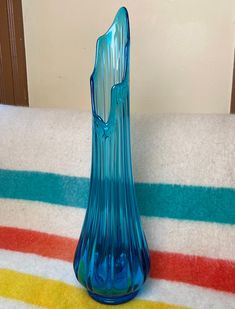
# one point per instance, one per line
(111, 150)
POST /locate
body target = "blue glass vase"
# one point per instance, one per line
(112, 257)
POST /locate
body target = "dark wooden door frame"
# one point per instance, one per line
(13, 76)
(232, 109)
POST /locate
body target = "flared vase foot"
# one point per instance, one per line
(112, 300)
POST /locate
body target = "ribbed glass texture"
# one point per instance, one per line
(112, 258)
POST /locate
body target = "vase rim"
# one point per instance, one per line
(122, 10)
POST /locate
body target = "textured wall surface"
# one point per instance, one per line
(181, 52)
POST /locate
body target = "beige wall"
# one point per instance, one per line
(181, 52)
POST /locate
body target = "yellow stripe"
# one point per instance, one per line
(54, 294)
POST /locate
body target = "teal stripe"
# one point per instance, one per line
(161, 200)
(44, 187)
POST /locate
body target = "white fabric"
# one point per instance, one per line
(180, 149)
(169, 235)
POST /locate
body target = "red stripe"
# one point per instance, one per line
(52, 246)
(207, 272)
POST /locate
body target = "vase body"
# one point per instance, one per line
(112, 258)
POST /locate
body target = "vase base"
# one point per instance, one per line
(112, 300)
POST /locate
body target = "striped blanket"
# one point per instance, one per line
(184, 169)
